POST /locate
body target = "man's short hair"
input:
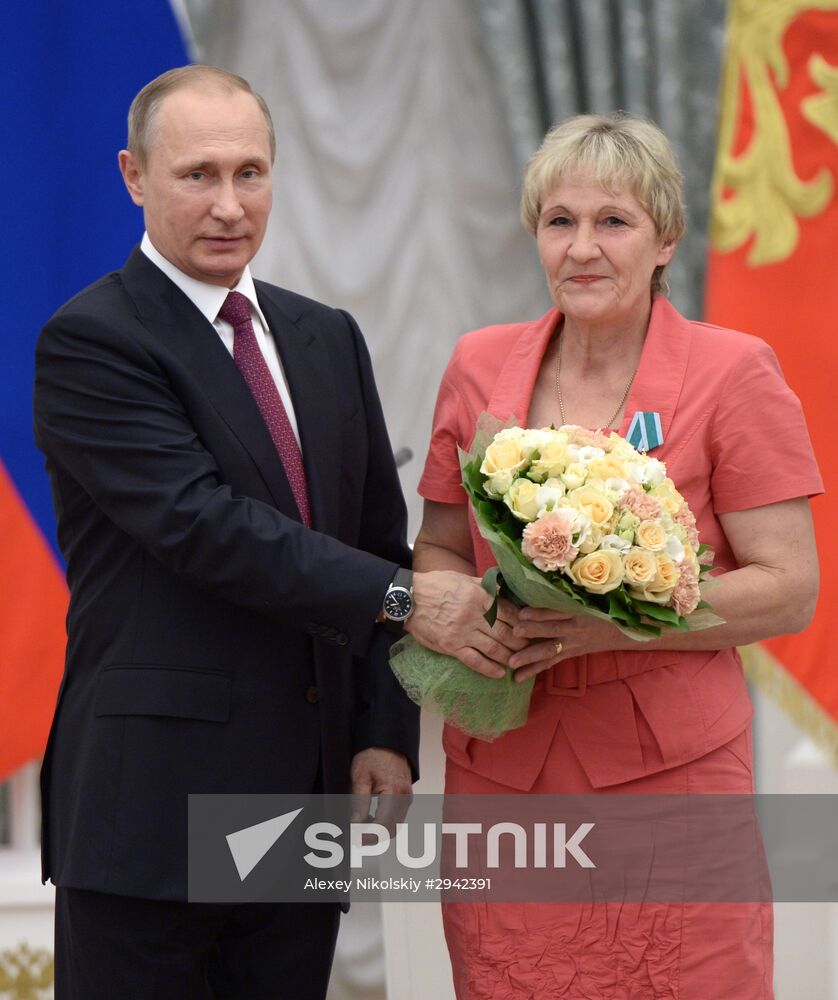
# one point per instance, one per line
(144, 108)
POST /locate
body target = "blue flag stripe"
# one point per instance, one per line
(69, 73)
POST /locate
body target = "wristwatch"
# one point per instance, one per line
(397, 606)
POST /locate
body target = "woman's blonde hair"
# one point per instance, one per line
(619, 151)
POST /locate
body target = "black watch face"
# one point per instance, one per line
(398, 604)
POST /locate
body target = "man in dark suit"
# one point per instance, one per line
(234, 532)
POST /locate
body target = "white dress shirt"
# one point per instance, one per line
(209, 299)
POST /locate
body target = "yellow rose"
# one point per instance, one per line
(503, 455)
(551, 461)
(592, 540)
(620, 446)
(641, 567)
(610, 466)
(659, 591)
(668, 574)
(651, 535)
(522, 499)
(598, 572)
(668, 495)
(593, 503)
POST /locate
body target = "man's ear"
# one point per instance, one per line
(132, 174)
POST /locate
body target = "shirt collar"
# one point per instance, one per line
(208, 299)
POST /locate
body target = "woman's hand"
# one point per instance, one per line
(553, 636)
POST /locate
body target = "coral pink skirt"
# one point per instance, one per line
(613, 951)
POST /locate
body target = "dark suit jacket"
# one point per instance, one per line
(214, 643)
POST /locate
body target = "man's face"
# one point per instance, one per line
(205, 187)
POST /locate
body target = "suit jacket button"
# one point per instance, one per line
(342, 639)
(313, 695)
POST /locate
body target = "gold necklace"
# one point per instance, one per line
(559, 390)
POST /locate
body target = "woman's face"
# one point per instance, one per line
(598, 251)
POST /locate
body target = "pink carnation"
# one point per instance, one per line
(685, 517)
(547, 542)
(686, 594)
(588, 439)
(638, 502)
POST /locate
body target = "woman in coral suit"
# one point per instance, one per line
(602, 197)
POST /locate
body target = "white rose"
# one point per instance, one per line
(636, 473)
(549, 495)
(655, 472)
(589, 453)
(582, 526)
(674, 548)
(499, 483)
(615, 488)
(574, 475)
(621, 545)
(534, 439)
(510, 434)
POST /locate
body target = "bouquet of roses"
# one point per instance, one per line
(579, 521)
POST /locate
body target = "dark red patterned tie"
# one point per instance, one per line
(251, 363)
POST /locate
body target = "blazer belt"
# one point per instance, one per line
(571, 678)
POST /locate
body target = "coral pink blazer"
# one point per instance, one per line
(734, 438)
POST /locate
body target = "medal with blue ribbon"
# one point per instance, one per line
(645, 431)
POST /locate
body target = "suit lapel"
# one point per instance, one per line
(309, 372)
(512, 393)
(165, 311)
(663, 367)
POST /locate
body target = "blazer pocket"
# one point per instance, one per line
(168, 691)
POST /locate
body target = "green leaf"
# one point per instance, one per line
(473, 481)
(485, 509)
(510, 595)
(657, 611)
(491, 584)
(619, 608)
(653, 630)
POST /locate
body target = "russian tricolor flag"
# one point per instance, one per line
(69, 72)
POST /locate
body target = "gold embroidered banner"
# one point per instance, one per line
(773, 272)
